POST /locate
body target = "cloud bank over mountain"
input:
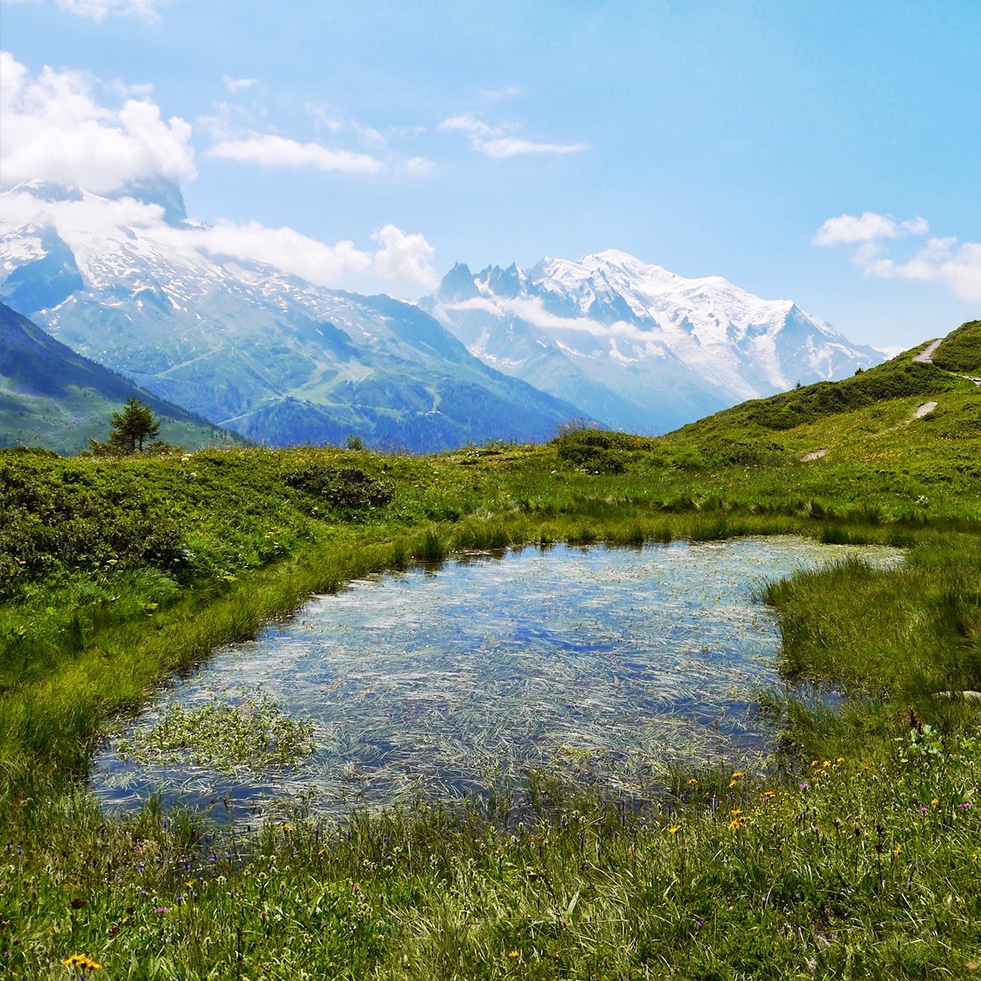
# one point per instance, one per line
(67, 129)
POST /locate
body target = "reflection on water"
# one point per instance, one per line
(604, 662)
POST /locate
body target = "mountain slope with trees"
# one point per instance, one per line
(53, 398)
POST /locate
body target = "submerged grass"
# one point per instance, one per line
(857, 857)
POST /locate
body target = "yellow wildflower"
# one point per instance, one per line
(674, 829)
(82, 963)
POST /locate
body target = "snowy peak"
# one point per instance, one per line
(615, 331)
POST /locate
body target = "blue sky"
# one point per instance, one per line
(828, 153)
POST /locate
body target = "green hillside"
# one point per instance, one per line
(55, 399)
(850, 852)
(960, 351)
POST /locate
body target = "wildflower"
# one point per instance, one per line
(804, 786)
(161, 910)
(693, 782)
(841, 759)
(736, 812)
(814, 763)
(674, 829)
(738, 774)
(82, 963)
(736, 822)
(826, 764)
(287, 828)
(964, 805)
(512, 953)
(934, 802)
(896, 851)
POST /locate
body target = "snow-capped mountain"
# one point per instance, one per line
(174, 305)
(634, 345)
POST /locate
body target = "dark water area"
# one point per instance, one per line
(602, 664)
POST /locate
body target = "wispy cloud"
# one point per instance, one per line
(496, 141)
(495, 95)
(54, 130)
(278, 151)
(955, 264)
(235, 85)
(419, 166)
(99, 10)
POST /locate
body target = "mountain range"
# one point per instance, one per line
(134, 285)
(634, 345)
(130, 282)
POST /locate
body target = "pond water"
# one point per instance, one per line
(604, 663)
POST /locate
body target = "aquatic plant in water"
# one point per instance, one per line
(252, 733)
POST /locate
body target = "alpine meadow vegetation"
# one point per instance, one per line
(855, 855)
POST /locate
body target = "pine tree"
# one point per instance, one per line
(131, 427)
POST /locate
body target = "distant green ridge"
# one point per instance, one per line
(53, 398)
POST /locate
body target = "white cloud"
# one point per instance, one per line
(98, 10)
(419, 166)
(849, 230)
(954, 264)
(508, 92)
(957, 265)
(277, 151)
(53, 130)
(404, 260)
(238, 84)
(283, 248)
(495, 141)
(509, 146)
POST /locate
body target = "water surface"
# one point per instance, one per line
(605, 663)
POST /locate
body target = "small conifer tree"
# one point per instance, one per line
(131, 428)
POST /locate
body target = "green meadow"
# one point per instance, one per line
(856, 855)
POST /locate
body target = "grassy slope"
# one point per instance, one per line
(960, 351)
(117, 572)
